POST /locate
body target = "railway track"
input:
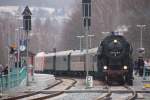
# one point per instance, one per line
(63, 84)
(105, 96)
(134, 93)
(108, 95)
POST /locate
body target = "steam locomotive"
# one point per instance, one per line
(114, 60)
(110, 61)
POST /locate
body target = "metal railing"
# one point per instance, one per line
(13, 80)
(146, 73)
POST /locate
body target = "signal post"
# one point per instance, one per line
(86, 19)
(27, 28)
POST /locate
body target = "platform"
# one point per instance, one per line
(41, 81)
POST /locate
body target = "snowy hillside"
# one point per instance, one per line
(59, 14)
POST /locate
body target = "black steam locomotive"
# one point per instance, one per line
(114, 60)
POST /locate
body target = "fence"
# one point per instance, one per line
(146, 74)
(11, 80)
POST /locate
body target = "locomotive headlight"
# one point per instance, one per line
(115, 41)
(105, 67)
(125, 67)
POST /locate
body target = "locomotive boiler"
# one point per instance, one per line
(114, 60)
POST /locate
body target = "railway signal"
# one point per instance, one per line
(27, 19)
(27, 27)
(86, 14)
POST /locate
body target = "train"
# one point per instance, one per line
(110, 61)
(114, 60)
(70, 62)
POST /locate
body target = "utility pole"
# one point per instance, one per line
(80, 37)
(141, 34)
(8, 44)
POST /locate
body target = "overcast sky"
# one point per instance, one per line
(46, 3)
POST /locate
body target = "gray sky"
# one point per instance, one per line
(46, 3)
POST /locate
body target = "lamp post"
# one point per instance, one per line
(80, 37)
(141, 34)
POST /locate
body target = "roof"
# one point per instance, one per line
(49, 54)
(66, 53)
(63, 53)
(40, 54)
(78, 52)
(93, 50)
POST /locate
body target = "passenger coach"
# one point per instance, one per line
(71, 62)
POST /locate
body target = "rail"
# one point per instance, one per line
(105, 96)
(39, 95)
(134, 93)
